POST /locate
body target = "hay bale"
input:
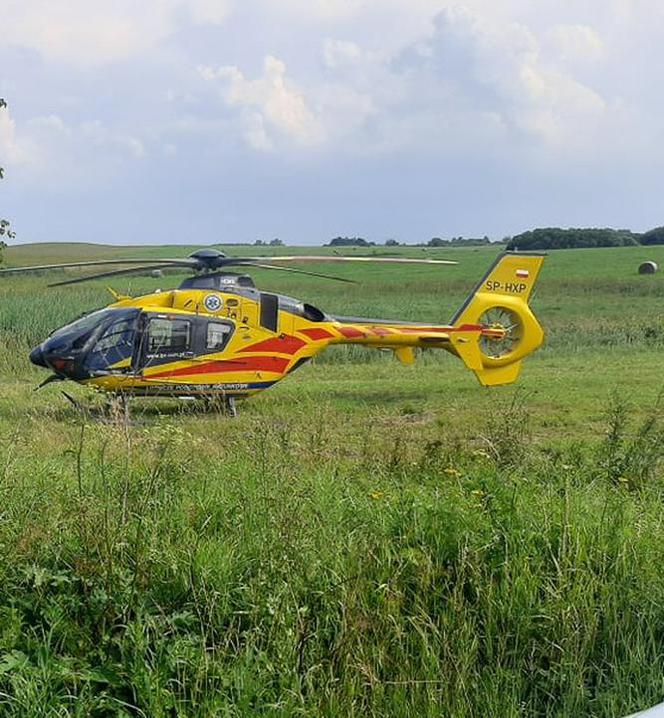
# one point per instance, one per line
(648, 267)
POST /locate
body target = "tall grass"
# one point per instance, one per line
(287, 568)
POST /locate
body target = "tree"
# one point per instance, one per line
(259, 243)
(653, 236)
(350, 242)
(391, 243)
(5, 225)
(276, 242)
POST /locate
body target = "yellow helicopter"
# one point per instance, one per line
(218, 336)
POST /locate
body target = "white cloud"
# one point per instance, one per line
(10, 150)
(81, 32)
(116, 142)
(467, 85)
(47, 151)
(213, 12)
(340, 53)
(18, 151)
(325, 11)
(480, 77)
(577, 43)
(87, 33)
(53, 130)
(271, 106)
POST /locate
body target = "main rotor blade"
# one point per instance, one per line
(300, 271)
(101, 262)
(115, 273)
(337, 258)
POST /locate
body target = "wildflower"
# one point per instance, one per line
(453, 472)
(477, 493)
(623, 481)
(375, 495)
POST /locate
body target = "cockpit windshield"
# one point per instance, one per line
(77, 332)
(114, 346)
(76, 335)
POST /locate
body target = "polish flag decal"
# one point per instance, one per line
(523, 273)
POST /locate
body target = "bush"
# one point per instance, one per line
(654, 236)
(350, 242)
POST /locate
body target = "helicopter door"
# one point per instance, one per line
(166, 338)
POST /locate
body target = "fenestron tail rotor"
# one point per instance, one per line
(205, 261)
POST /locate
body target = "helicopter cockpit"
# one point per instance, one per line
(128, 340)
(93, 343)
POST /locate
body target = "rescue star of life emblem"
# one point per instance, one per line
(212, 302)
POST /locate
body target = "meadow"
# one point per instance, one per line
(365, 538)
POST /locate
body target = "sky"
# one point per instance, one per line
(206, 121)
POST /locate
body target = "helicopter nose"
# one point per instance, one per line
(37, 357)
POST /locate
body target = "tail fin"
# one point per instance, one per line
(510, 330)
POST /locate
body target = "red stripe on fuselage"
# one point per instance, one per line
(316, 333)
(353, 333)
(350, 332)
(273, 364)
(441, 330)
(282, 345)
(466, 328)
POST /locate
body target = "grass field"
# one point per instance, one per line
(365, 538)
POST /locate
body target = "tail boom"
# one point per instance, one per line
(491, 333)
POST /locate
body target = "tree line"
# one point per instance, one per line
(433, 242)
(535, 239)
(577, 238)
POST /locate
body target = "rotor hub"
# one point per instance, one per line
(207, 260)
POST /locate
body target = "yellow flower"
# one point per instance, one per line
(452, 472)
(477, 493)
(375, 495)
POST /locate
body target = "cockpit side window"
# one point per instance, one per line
(218, 334)
(167, 336)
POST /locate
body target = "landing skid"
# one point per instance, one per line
(116, 409)
(73, 402)
(222, 404)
